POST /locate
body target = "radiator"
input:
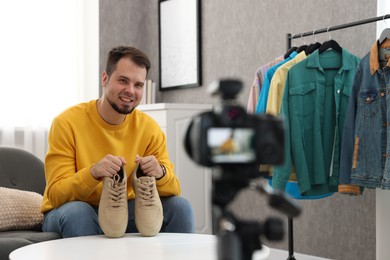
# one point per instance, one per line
(32, 140)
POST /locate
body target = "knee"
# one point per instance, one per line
(73, 219)
(180, 206)
(178, 215)
(78, 212)
(76, 208)
(186, 207)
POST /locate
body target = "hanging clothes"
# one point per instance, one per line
(314, 103)
(263, 97)
(273, 107)
(365, 155)
(258, 83)
(277, 84)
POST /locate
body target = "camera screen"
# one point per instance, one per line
(231, 145)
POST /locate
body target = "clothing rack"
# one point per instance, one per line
(290, 37)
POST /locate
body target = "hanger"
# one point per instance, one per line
(302, 48)
(330, 44)
(294, 48)
(383, 55)
(333, 64)
(385, 34)
(291, 50)
(313, 46)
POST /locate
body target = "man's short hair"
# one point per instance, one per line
(134, 54)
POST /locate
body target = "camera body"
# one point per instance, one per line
(228, 136)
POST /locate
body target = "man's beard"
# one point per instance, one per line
(125, 111)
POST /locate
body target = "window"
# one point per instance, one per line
(43, 63)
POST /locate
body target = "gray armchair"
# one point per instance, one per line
(21, 170)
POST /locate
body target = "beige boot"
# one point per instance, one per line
(113, 208)
(148, 208)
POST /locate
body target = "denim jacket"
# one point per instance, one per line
(365, 154)
(314, 104)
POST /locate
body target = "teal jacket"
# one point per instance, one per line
(314, 104)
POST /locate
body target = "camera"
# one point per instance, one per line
(235, 143)
(228, 136)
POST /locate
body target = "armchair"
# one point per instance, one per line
(22, 171)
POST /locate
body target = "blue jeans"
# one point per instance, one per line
(79, 218)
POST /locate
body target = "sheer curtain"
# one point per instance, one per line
(43, 66)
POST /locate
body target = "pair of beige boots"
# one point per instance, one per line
(113, 207)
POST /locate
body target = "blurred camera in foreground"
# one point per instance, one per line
(229, 136)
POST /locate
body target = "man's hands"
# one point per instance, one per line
(110, 165)
(150, 166)
(107, 167)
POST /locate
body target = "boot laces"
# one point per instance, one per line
(117, 192)
(147, 192)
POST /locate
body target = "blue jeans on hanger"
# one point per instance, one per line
(79, 218)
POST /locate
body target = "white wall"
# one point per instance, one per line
(382, 196)
(383, 8)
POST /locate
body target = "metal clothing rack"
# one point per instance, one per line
(290, 37)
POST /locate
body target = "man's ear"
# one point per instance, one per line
(105, 78)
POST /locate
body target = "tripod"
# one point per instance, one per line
(237, 239)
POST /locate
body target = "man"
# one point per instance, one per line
(93, 140)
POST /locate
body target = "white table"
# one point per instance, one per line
(164, 246)
(167, 246)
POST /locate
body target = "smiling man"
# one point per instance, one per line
(94, 141)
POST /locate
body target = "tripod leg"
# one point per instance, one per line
(290, 240)
(228, 246)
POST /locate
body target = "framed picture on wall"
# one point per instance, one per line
(179, 37)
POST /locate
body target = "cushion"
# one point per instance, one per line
(20, 209)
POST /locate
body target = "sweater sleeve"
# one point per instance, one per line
(64, 184)
(169, 185)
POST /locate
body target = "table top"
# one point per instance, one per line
(132, 246)
(164, 246)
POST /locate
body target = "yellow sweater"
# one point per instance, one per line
(79, 137)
